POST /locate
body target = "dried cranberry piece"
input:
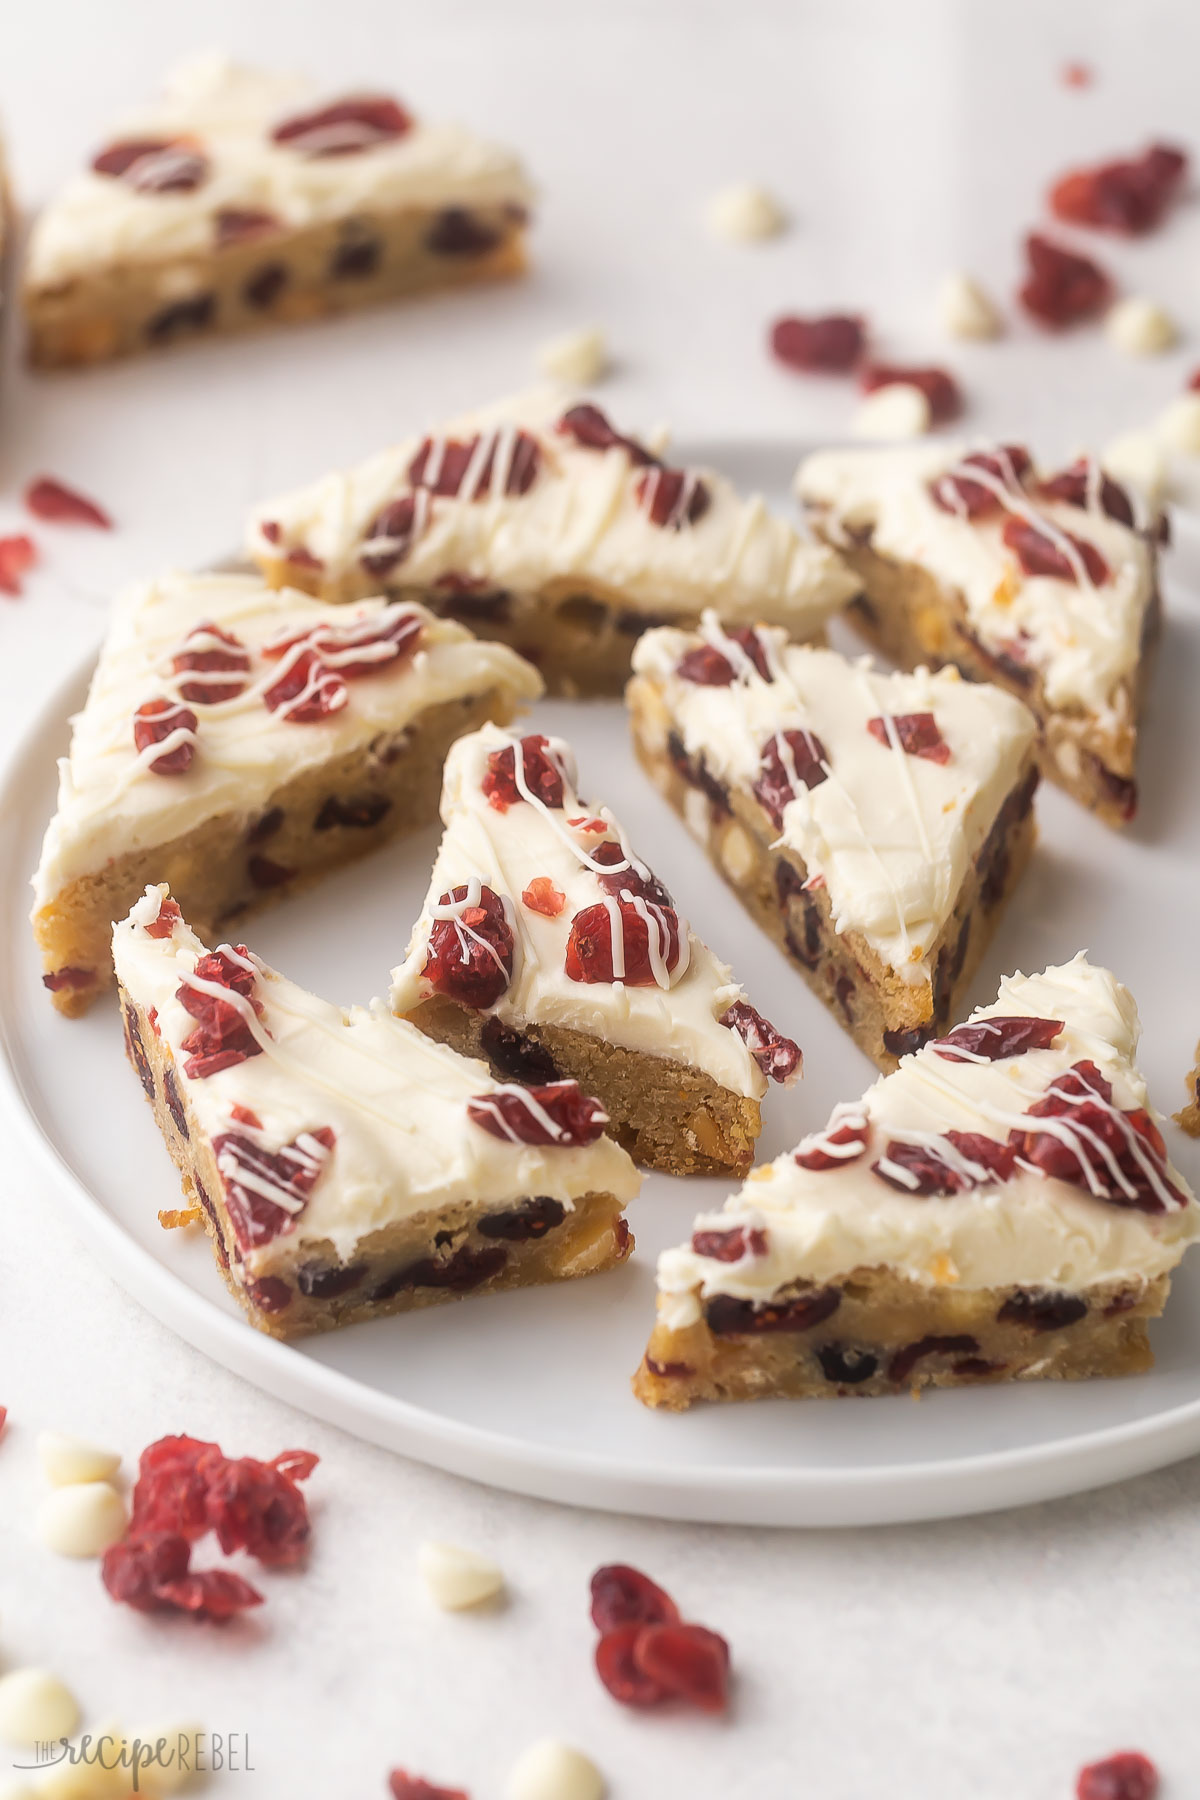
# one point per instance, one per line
(906, 1360)
(635, 878)
(930, 1172)
(470, 956)
(672, 498)
(180, 317)
(777, 1056)
(69, 979)
(525, 1223)
(360, 122)
(1062, 287)
(267, 874)
(591, 429)
(154, 165)
(306, 689)
(559, 1113)
(319, 1283)
(443, 465)
(789, 759)
(1115, 1155)
(843, 1141)
(394, 531)
(1084, 483)
(241, 224)
(956, 492)
(1040, 554)
(544, 771)
(938, 386)
(149, 1571)
(212, 652)
(458, 1274)
(918, 735)
(456, 231)
(650, 951)
(846, 1364)
(541, 896)
(174, 1102)
(622, 1595)
(515, 1056)
(362, 648)
(60, 505)
(135, 1050)
(830, 345)
(989, 1040)
(619, 1671)
(403, 1786)
(360, 814)
(265, 1190)
(18, 554)
(727, 1317)
(1126, 1775)
(257, 1507)
(706, 666)
(223, 1035)
(1128, 194)
(688, 1662)
(730, 1246)
(157, 720)
(1042, 1311)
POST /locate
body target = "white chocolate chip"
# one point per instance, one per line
(552, 1771)
(964, 310)
(458, 1578)
(743, 213)
(35, 1708)
(1179, 426)
(578, 358)
(1139, 461)
(896, 411)
(81, 1520)
(66, 1460)
(1140, 327)
(738, 857)
(696, 815)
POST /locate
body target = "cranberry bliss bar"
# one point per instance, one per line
(540, 524)
(237, 740)
(1045, 584)
(999, 1209)
(548, 947)
(873, 824)
(243, 199)
(343, 1164)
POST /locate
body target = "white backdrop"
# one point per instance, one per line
(988, 1658)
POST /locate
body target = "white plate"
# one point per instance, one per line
(530, 1390)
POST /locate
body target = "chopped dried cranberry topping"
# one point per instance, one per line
(591, 429)
(790, 760)
(544, 773)
(1085, 484)
(364, 647)
(1062, 287)
(686, 1662)
(727, 1317)
(651, 949)
(1042, 1311)
(1128, 194)
(635, 878)
(1126, 1775)
(622, 1595)
(777, 1056)
(60, 505)
(730, 1246)
(956, 492)
(18, 554)
(829, 346)
(1115, 1155)
(470, 471)
(164, 923)
(707, 666)
(154, 165)
(990, 1040)
(393, 533)
(157, 720)
(1040, 554)
(470, 955)
(541, 896)
(403, 1786)
(360, 122)
(223, 1036)
(843, 1141)
(265, 1189)
(672, 498)
(306, 690)
(239, 224)
(917, 734)
(207, 650)
(924, 1169)
(906, 1360)
(70, 978)
(938, 386)
(559, 1113)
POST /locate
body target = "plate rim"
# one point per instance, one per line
(894, 1493)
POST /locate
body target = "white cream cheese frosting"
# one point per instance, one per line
(677, 1016)
(1030, 1230)
(1082, 637)
(891, 835)
(112, 802)
(394, 1099)
(581, 520)
(227, 112)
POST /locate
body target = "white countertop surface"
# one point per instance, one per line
(987, 1658)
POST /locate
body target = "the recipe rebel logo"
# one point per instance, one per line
(181, 1753)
